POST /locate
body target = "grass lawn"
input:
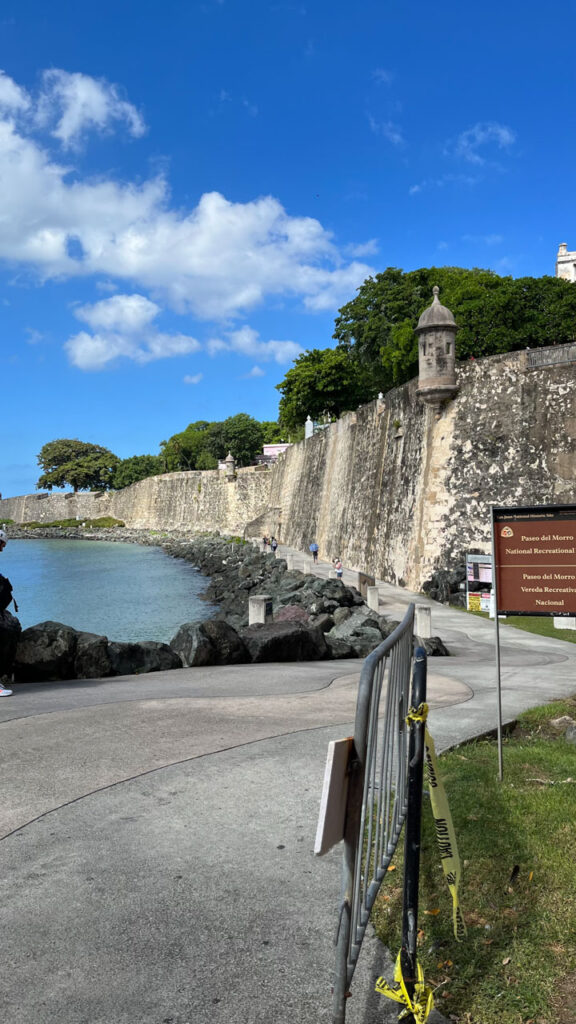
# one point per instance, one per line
(517, 843)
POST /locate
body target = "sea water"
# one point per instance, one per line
(124, 591)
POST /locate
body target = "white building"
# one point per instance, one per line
(565, 263)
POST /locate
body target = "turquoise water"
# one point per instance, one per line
(124, 591)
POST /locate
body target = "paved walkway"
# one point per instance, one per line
(157, 862)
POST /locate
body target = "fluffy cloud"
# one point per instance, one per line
(12, 97)
(246, 342)
(123, 328)
(73, 104)
(216, 260)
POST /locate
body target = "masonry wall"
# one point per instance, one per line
(197, 501)
(392, 489)
(398, 492)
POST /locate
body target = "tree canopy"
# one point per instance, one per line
(78, 464)
(494, 314)
(137, 467)
(323, 382)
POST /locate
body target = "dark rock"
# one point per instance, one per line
(10, 630)
(91, 660)
(433, 646)
(324, 622)
(340, 615)
(284, 641)
(339, 648)
(192, 645)
(444, 585)
(228, 646)
(291, 613)
(45, 652)
(136, 658)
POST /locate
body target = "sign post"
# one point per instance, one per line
(534, 555)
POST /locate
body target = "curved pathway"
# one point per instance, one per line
(157, 862)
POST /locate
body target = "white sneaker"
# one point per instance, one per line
(4, 692)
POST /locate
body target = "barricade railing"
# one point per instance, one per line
(377, 795)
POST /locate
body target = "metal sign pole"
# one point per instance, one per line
(497, 642)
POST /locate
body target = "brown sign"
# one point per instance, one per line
(535, 558)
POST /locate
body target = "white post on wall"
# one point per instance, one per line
(308, 428)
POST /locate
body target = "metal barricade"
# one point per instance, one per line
(377, 795)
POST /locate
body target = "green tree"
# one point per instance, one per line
(206, 461)
(271, 432)
(137, 467)
(323, 382)
(79, 464)
(242, 435)
(494, 314)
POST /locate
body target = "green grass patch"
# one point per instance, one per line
(7, 522)
(517, 841)
(103, 523)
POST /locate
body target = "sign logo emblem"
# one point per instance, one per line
(507, 531)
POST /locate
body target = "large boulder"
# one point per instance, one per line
(284, 641)
(212, 642)
(10, 630)
(45, 652)
(192, 645)
(227, 645)
(339, 648)
(291, 613)
(127, 659)
(92, 658)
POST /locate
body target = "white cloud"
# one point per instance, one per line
(122, 327)
(124, 313)
(387, 129)
(444, 180)
(246, 342)
(12, 97)
(256, 371)
(216, 260)
(195, 379)
(483, 239)
(484, 133)
(34, 336)
(73, 103)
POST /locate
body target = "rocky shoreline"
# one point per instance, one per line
(313, 618)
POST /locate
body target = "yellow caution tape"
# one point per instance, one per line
(422, 1002)
(445, 835)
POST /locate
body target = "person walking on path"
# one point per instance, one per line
(338, 567)
(314, 550)
(4, 691)
(273, 544)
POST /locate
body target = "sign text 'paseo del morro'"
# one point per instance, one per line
(535, 557)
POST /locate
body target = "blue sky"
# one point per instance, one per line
(190, 190)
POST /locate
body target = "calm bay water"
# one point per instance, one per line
(124, 591)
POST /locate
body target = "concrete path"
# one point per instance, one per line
(157, 863)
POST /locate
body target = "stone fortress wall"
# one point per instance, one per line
(396, 489)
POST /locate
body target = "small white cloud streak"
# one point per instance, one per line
(482, 134)
(387, 129)
(256, 371)
(383, 76)
(193, 379)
